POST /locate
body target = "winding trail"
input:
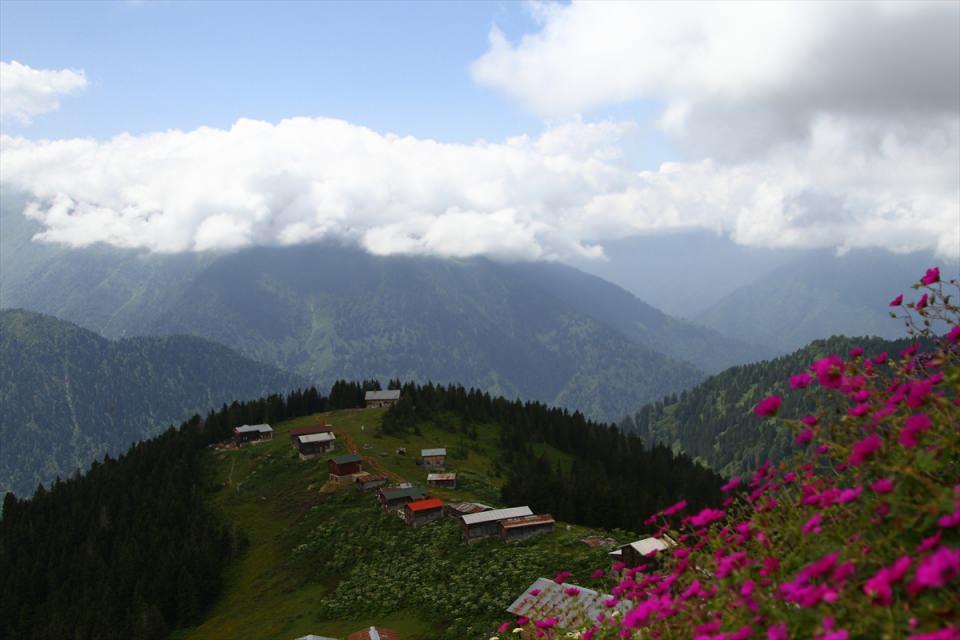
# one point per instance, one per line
(368, 460)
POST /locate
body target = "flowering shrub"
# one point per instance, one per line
(857, 537)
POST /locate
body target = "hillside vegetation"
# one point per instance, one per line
(70, 396)
(714, 421)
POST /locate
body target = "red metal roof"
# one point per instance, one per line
(424, 505)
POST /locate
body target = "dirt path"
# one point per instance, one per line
(368, 460)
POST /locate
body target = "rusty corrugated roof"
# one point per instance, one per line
(527, 521)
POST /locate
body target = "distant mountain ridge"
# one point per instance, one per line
(714, 422)
(69, 396)
(541, 331)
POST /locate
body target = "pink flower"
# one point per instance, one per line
(864, 449)
(800, 381)
(856, 352)
(880, 359)
(534, 592)
(950, 521)
(503, 627)
(849, 495)
(950, 633)
(804, 436)
(777, 631)
(953, 336)
(859, 410)
(730, 486)
(561, 577)
(597, 574)
(829, 371)
(896, 302)
(929, 543)
(932, 276)
(936, 570)
(706, 516)
(916, 424)
(813, 524)
(675, 508)
(922, 302)
(768, 406)
(572, 591)
(878, 588)
(883, 485)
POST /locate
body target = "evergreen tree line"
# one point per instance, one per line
(130, 549)
(601, 476)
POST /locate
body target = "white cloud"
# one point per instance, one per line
(556, 196)
(27, 92)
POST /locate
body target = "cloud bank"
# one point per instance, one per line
(556, 196)
(27, 92)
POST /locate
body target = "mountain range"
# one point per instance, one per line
(70, 396)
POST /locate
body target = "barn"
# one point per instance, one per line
(433, 458)
(523, 527)
(448, 480)
(642, 551)
(308, 431)
(386, 398)
(252, 433)
(344, 465)
(396, 497)
(315, 443)
(421, 512)
(476, 526)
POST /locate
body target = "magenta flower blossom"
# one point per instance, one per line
(929, 543)
(883, 485)
(801, 381)
(916, 424)
(950, 521)
(707, 516)
(936, 570)
(768, 407)
(849, 495)
(932, 276)
(572, 591)
(878, 588)
(864, 449)
(950, 633)
(829, 371)
(922, 302)
(675, 508)
(813, 524)
(731, 485)
(896, 302)
(953, 336)
(856, 352)
(859, 410)
(561, 577)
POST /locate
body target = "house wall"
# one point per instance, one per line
(434, 462)
(515, 534)
(421, 518)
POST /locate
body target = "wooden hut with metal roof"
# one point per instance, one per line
(396, 497)
(386, 398)
(252, 433)
(345, 465)
(523, 527)
(447, 480)
(421, 512)
(433, 458)
(477, 526)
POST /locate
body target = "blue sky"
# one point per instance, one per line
(394, 67)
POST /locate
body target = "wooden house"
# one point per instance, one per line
(374, 633)
(523, 527)
(367, 481)
(345, 465)
(458, 509)
(448, 480)
(420, 512)
(386, 398)
(308, 431)
(641, 552)
(252, 433)
(396, 497)
(433, 458)
(315, 443)
(477, 526)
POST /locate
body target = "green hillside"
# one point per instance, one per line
(714, 421)
(69, 396)
(329, 561)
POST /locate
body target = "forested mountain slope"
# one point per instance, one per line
(69, 396)
(714, 421)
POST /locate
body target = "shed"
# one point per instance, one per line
(374, 633)
(476, 526)
(386, 398)
(643, 551)
(433, 458)
(315, 443)
(252, 433)
(396, 497)
(344, 465)
(420, 512)
(448, 480)
(571, 605)
(458, 509)
(523, 527)
(309, 430)
(368, 481)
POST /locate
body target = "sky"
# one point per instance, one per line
(515, 130)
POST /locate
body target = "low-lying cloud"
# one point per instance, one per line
(26, 92)
(556, 196)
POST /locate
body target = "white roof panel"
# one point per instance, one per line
(426, 453)
(496, 514)
(316, 437)
(248, 428)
